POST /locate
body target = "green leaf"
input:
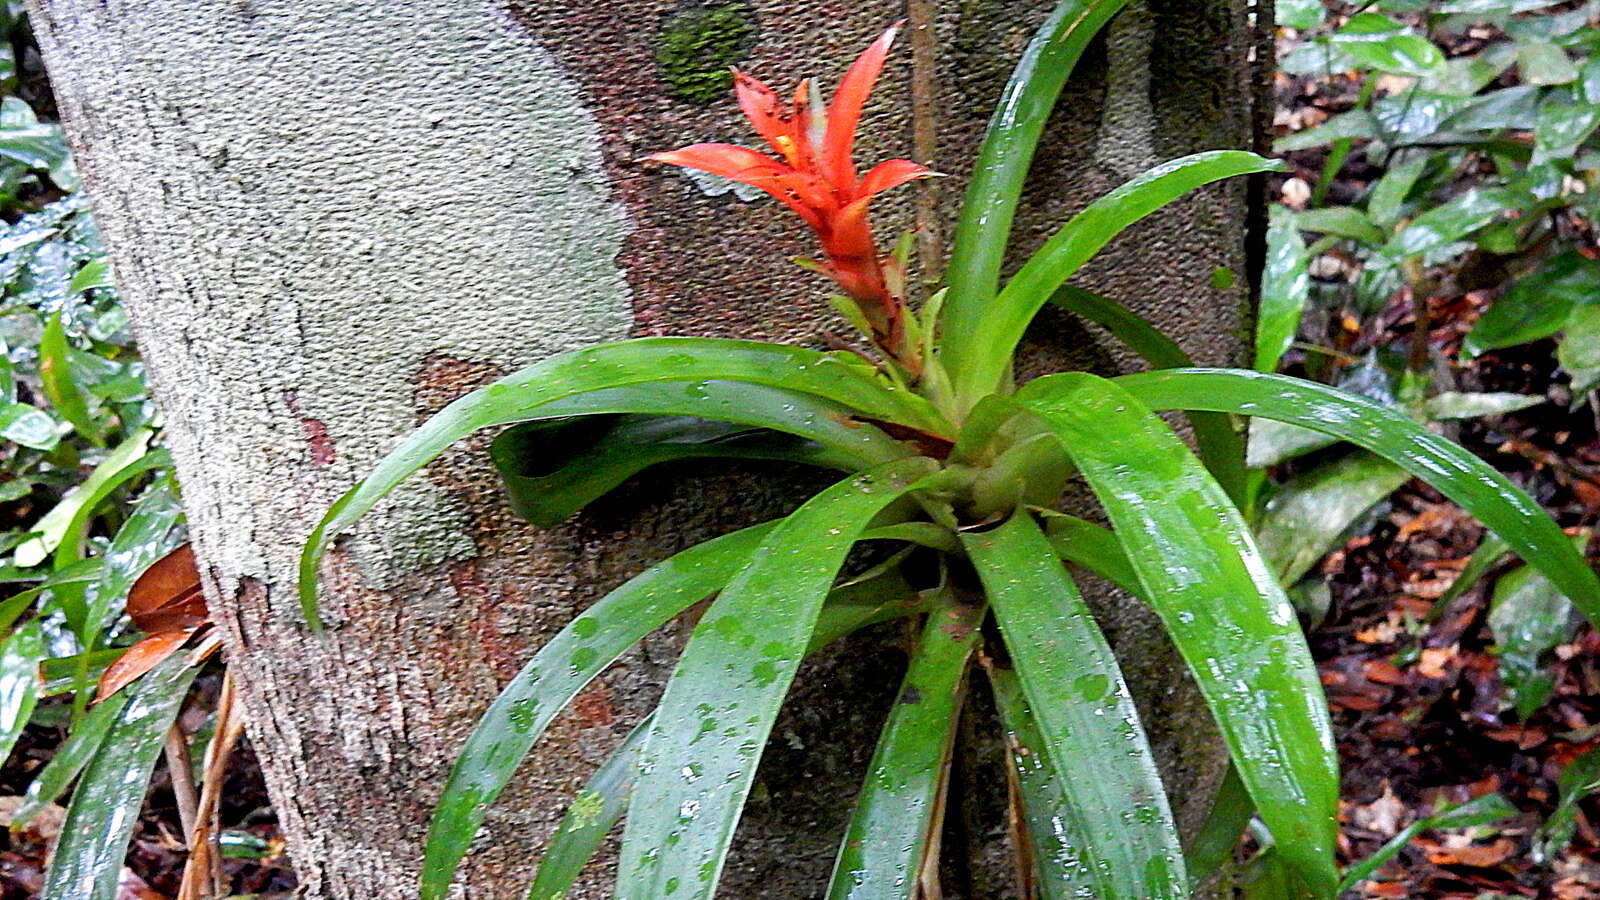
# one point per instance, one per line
(70, 549)
(1219, 442)
(1398, 54)
(555, 467)
(54, 525)
(148, 534)
(729, 684)
(590, 817)
(1579, 779)
(1465, 479)
(1538, 305)
(96, 273)
(1114, 816)
(1489, 553)
(1285, 285)
(1456, 219)
(598, 807)
(1388, 197)
(82, 743)
(1477, 811)
(1053, 851)
(105, 807)
(896, 812)
(1459, 405)
(19, 682)
(1189, 546)
(1305, 520)
(27, 425)
(1342, 221)
(1529, 617)
(555, 675)
(1218, 836)
(55, 372)
(1579, 351)
(1000, 328)
(1301, 14)
(983, 230)
(1354, 125)
(1564, 123)
(533, 392)
(1093, 547)
(1541, 62)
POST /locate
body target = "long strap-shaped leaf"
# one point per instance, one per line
(82, 743)
(719, 706)
(601, 803)
(1000, 328)
(549, 681)
(1220, 444)
(984, 229)
(1469, 481)
(1116, 820)
(19, 681)
(887, 840)
(587, 382)
(88, 862)
(1227, 615)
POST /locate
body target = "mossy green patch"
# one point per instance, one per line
(699, 44)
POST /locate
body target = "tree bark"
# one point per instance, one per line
(331, 217)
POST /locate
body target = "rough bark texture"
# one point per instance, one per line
(330, 217)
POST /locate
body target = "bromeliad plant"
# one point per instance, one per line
(947, 458)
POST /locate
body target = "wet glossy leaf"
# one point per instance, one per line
(592, 814)
(1397, 54)
(1301, 14)
(1189, 545)
(1007, 317)
(55, 371)
(149, 534)
(1497, 111)
(82, 743)
(96, 273)
(1579, 352)
(581, 383)
(1342, 221)
(983, 230)
(27, 425)
(1564, 123)
(600, 805)
(54, 525)
(730, 682)
(1215, 842)
(1219, 442)
(896, 812)
(1306, 519)
(1285, 285)
(1537, 305)
(555, 675)
(1477, 811)
(105, 806)
(1579, 780)
(84, 506)
(1529, 617)
(1114, 817)
(1058, 873)
(1355, 125)
(19, 681)
(554, 468)
(1541, 62)
(1454, 472)
(1456, 219)
(1093, 547)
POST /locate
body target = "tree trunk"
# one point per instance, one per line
(330, 217)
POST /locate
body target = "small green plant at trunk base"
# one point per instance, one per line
(942, 456)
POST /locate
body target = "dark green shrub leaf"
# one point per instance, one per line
(1538, 305)
(1580, 779)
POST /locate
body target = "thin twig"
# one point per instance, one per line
(202, 877)
(181, 772)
